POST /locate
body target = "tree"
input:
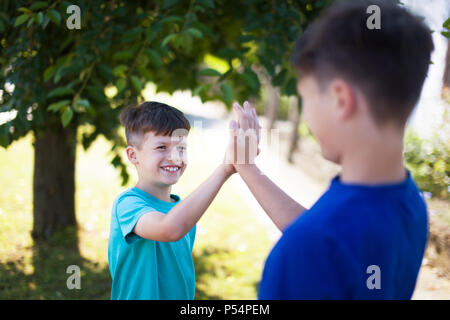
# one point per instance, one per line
(57, 79)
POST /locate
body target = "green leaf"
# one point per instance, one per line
(136, 83)
(30, 22)
(227, 93)
(171, 19)
(169, 3)
(208, 72)
(4, 135)
(55, 16)
(167, 39)
(81, 105)
(446, 24)
(49, 72)
(46, 21)
(446, 34)
(120, 84)
(24, 10)
(40, 17)
(83, 102)
(59, 92)
(195, 32)
(197, 90)
(119, 71)
(123, 55)
(229, 54)
(250, 78)
(66, 116)
(58, 105)
(21, 19)
(38, 5)
(186, 41)
(155, 58)
(290, 88)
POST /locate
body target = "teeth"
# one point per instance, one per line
(171, 169)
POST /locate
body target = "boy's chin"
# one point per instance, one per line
(330, 156)
(169, 179)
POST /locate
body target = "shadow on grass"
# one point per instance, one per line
(48, 281)
(213, 264)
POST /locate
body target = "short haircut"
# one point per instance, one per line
(151, 117)
(388, 65)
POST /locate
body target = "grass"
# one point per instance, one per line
(229, 252)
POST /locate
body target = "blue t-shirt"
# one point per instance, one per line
(356, 242)
(143, 269)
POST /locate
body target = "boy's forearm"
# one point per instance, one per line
(182, 217)
(279, 206)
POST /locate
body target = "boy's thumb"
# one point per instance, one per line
(233, 125)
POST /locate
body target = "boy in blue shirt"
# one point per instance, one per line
(152, 231)
(366, 236)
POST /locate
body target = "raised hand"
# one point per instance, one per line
(247, 118)
(244, 136)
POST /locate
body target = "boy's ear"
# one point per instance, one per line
(131, 154)
(344, 98)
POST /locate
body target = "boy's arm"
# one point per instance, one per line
(280, 207)
(183, 216)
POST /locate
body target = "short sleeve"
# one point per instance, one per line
(128, 211)
(306, 266)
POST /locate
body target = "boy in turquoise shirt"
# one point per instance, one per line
(152, 231)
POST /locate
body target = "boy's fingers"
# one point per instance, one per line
(248, 112)
(233, 125)
(257, 126)
(243, 120)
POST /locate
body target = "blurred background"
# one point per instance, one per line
(69, 67)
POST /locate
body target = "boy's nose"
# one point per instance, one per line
(175, 157)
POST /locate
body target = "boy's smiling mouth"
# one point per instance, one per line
(171, 168)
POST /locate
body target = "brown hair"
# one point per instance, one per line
(388, 65)
(151, 116)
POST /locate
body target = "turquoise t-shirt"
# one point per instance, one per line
(143, 269)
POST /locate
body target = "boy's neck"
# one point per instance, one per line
(377, 162)
(161, 193)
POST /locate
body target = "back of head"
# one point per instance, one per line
(152, 117)
(388, 65)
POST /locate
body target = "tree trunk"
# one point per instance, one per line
(54, 180)
(294, 117)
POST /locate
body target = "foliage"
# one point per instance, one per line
(429, 160)
(446, 25)
(429, 163)
(51, 74)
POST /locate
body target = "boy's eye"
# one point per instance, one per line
(161, 147)
(181, 148)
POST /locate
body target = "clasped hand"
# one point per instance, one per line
(243, 144)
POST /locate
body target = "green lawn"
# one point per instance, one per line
(230, 246)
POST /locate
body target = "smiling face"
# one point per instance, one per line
(160, 160)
